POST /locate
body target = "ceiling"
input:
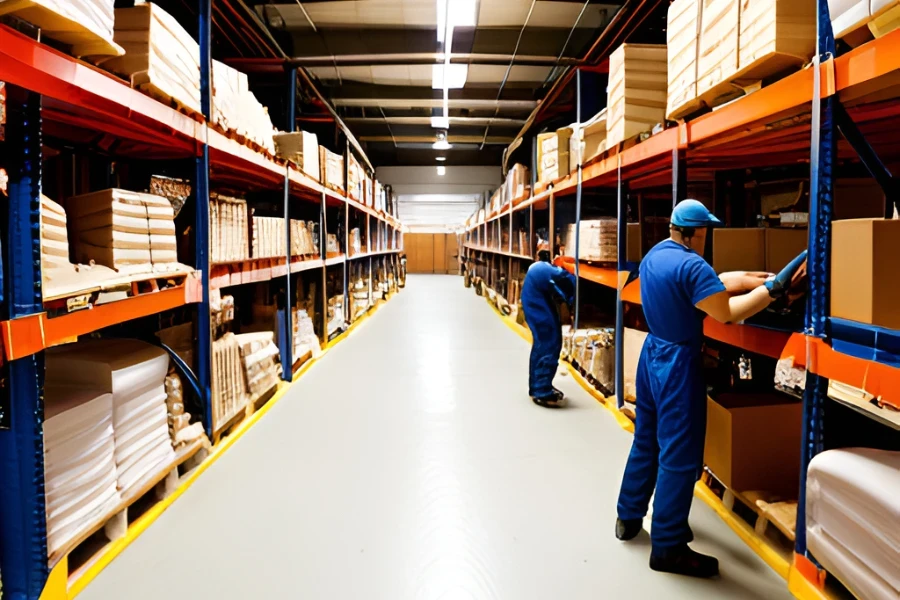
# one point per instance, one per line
(375, 61)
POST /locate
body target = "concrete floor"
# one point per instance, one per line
(410, 464)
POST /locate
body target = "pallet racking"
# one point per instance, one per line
(791, 123)
(47, 90)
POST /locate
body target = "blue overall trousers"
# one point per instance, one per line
(545, 286)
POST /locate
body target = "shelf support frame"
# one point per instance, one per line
(23, 524)
(578, 198)
(286, 340)
(621, 256)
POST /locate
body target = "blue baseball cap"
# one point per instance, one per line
(692, 213)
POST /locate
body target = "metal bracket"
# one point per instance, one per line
(867, 156)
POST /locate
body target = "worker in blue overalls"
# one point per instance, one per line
(678, 289)
(545, 288)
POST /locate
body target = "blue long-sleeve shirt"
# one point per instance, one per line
(550, 282)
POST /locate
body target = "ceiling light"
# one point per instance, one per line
(441, 20)
(440, 158)
(461, 13)
(449, 77)
(440, 122)
(441, 145)
(441, 171)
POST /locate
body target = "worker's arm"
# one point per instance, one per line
(740, 282)
(732, 309)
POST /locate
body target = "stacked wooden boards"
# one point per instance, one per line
(85, 25)
(637, 91)
(229, 220)
(126, 231)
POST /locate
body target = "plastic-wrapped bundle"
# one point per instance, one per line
(229, 236)
(355, 242)
(79, 460)
(258, 355)
(602, 365)
(598, 240)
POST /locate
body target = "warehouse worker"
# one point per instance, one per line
(545, 287)
(667, 452)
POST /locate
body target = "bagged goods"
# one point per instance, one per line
(125, 231)
(355, 242)
(85, 25)
(335, 314)
(79, 461)
(229, 229)
(134, 373)
(161, 59)
(637, 91)
(682, 39)
(305, 338)
(853, 519)
(331, 244)
(600, 358)
(301, 148)
(598, 240)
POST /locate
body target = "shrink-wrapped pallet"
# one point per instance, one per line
(134, 373)
(85, 25)
(123, 230)
(682, 43)
(637, 91)
(80, 481)
(162, 58)
(717, 62)
(853, 519)
(302, 149)
(598, 240)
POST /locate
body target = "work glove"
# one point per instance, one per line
(780, 285)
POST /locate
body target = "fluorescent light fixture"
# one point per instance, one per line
(461, 13)
(441, 145)
(449, 77)
(441, 20)
(442, 170)
(440, 122)
(440, 158)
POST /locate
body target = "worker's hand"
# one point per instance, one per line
(779, 285)
(740, 282)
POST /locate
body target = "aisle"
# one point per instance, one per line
(410, 464)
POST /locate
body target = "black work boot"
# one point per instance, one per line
(684, 561)
(558, 393)
(553, 401)
(628, 529)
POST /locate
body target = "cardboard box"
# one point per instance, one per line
(633, 242)
(718, 55)
(588, 140)
(782, 32)
(753, 442)
(637, 91)
(864, 284)
(858, 199)
(301, 148)
(783, 246)
(739, 249)
(682, 36)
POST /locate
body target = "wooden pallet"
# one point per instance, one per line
(154, 487)
(765, 512)
(82, 292)
(236, 420)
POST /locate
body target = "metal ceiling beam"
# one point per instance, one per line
(463, 121)
(419, 58)
(426, 139)
(434, 103)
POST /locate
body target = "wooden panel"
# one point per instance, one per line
(440, 252)
(452, 260)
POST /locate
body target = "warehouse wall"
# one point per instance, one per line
(432, 203)
(431, 253)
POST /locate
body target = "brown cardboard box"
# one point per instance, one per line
(782, 246)
(858, 199)
(739, 249)
(638, 78)
(776, 29)
(864, 285)
(633, 240)
(682, 35)
(753, 442)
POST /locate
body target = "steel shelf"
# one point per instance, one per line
(500, 252)
(605, 276)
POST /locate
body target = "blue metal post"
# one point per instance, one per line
(287, 325)
(201, 224)
(621, 255)
(23, 525)
(679, 176)
(578, 192)
(821, 195)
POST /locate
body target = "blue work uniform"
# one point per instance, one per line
(545, 286)
(667, 452)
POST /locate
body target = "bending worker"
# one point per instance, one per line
(667, 452)
(545, 287)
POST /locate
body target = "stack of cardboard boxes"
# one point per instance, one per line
(756, 248)
(553, 155)
(637, 91)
